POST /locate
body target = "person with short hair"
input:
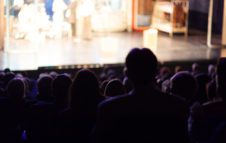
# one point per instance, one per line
(145, 114)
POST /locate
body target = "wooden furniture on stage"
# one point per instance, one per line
(142, 14)
(171, 16)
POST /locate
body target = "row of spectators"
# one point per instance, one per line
(143, 105)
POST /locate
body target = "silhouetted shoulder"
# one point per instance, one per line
(155, 101)
(114, 100)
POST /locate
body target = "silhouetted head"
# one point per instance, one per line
(8, 77)
(141, 66)
(212, 71)
(16, 89)
(195, 68)
(85, 91)
(60, 89)
(44, 87)
(202, 80)
(6, 70)
(183, 84)
(53, 74)
(165, 72)
(114, 88)
(103, 85)
(178, 69)
(221, 78)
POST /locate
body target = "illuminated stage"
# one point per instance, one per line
(104, 48)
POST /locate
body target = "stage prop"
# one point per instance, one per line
(142, 14)
(171, 16)
(150, 39)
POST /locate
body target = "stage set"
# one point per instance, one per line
(67, 33)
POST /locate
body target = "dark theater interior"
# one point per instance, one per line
(112, 71)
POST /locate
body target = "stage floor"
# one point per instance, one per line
(104, 48)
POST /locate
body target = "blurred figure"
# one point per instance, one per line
(183, 84)
(114, 88)
(12, 112)
(178, 69)
(85, 10)
(59, 8)
(60, 90)
(145, 114)
(212, 71)
(72, 14)
(49, 8)
(195, 69)
(44, 88)
(205, 118)
(77, 121)
(41, 114)
(202, 80)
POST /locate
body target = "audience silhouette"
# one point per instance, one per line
(140, 102)
(77, 122)
(145, 114)
(206, 117)
(114, 88)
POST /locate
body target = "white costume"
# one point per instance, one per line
(59, 8)
(85, 10)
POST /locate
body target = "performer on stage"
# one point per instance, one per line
(86, 8)
(49, 9)
(59, 8)
(73, 16)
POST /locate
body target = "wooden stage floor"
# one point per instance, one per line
(104, 48)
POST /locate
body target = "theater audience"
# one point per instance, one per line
(103, 86)
(202, 79)
(12, 112)
(60, 91)
(77, 121)
(147, 106)
(41, 113)
(183, 84)
(114, 88)
(205, 118)
(127, 84)
(44, 88)
(145, 114)
(195, 69)
(8, 77)
(212, 71)
(178, 69)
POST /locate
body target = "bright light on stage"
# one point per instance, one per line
(150, 39)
